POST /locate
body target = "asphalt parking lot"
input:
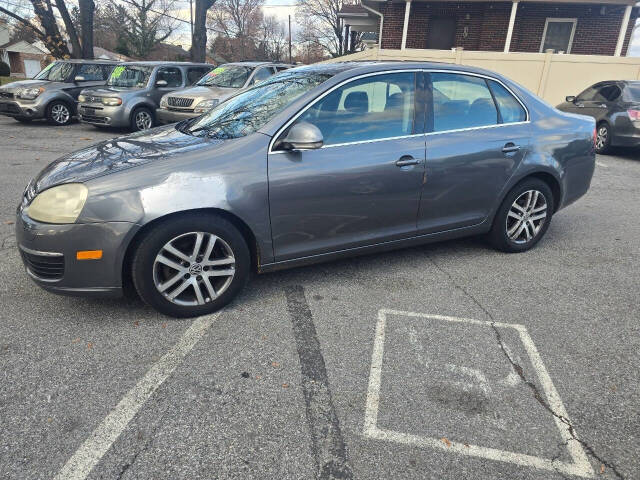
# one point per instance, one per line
(446, 361)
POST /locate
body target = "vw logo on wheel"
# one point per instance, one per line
(195, 269)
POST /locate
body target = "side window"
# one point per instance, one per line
(91, 72)
(608, 93)
(371, 108)
(461, 101)
(589, 94)
(196, 73)
(172, 75)
(262, 74)
(510, 109)
(281, 68)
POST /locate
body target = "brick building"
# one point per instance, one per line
(525, 26)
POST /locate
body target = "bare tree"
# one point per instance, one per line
(240, 20)
(199, 38)
(148, 23)
(321, 24)
(273, 39)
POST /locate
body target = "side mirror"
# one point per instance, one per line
(79, 78)
(570, 99)
(302, 136)
(161, 83)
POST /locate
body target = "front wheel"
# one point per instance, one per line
(191, 266)
(142, 119)
(59, 113)
(523, 217)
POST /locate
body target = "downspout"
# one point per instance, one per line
(376, 12)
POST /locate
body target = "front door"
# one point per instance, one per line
(441, 34)
(363, 186)
(476, 139)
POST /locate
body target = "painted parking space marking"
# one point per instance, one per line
(580, 465)
(79, 466)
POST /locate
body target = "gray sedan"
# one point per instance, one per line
(313, 164)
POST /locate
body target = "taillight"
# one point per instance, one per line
(634, 115)
(595, 136)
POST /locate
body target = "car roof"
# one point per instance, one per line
(255, 64)
(80, 60)
(153, 63)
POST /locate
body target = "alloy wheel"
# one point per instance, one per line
(194, 268)
(602, 137)
(526, 216)
(60, 113)
(143, 120)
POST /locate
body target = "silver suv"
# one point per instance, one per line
(53, 92)
(218, 85)
(133, 92)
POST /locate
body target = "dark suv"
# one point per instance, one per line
(52, 93)
(616, 107)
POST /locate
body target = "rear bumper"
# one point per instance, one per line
(49, 255)
(164, 115)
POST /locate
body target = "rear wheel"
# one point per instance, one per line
(523, 217)
(142, 119)
(191, 266)
(58, 113)
(603, 138)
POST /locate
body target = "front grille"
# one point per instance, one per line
(93, 118)
(6, 95)
(44, 266)
(179, 102)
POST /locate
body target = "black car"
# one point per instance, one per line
(616, 107)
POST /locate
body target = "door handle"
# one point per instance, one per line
(406, 161)
(510, 148)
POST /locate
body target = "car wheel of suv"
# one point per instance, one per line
(191, 266)
(58, 113)
(603, 138)
(523, 217)
(142, 119)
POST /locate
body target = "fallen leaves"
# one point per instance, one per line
(602, 469)
(285, 385)
(9, 222)
(86, 138)
(89, 346)
(446, 441)
(275, 364)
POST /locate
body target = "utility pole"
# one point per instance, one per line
(191, 17)
(290, 39)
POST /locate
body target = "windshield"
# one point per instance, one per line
(56, 72)
(130, 76)
(246, 112)
(631, 93)
(230, 76)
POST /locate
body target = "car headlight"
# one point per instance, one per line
(112, 101)
(164, 102)
(61, 204)
(205, 105)
(30, 93)
(82, 98)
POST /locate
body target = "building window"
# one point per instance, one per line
(558, 34)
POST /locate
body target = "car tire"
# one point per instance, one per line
(170, 271)
(140, 118)
(59, 113)
(519, 225)
(603, 138)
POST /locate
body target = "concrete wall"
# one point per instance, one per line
(550, 76)
(486, 25)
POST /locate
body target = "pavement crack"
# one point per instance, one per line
(520, 371)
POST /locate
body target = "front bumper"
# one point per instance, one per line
(49, 254)
(99, 114)
(165, 115)
(17, 107)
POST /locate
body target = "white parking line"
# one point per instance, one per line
(93, 449)
(580, 465)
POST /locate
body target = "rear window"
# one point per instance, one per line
(631, 93)
(510, 109)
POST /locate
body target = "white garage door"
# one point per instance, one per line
(31, 68)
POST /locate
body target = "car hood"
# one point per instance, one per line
(14, 86)
(118, 154)
(109, 91)
(205, 92)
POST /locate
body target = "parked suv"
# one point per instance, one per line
(219, 84)
(133, 92)
(615, 105)
(53, 92)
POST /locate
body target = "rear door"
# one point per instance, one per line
(174, 78)
(477, 134)
(363, 186)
